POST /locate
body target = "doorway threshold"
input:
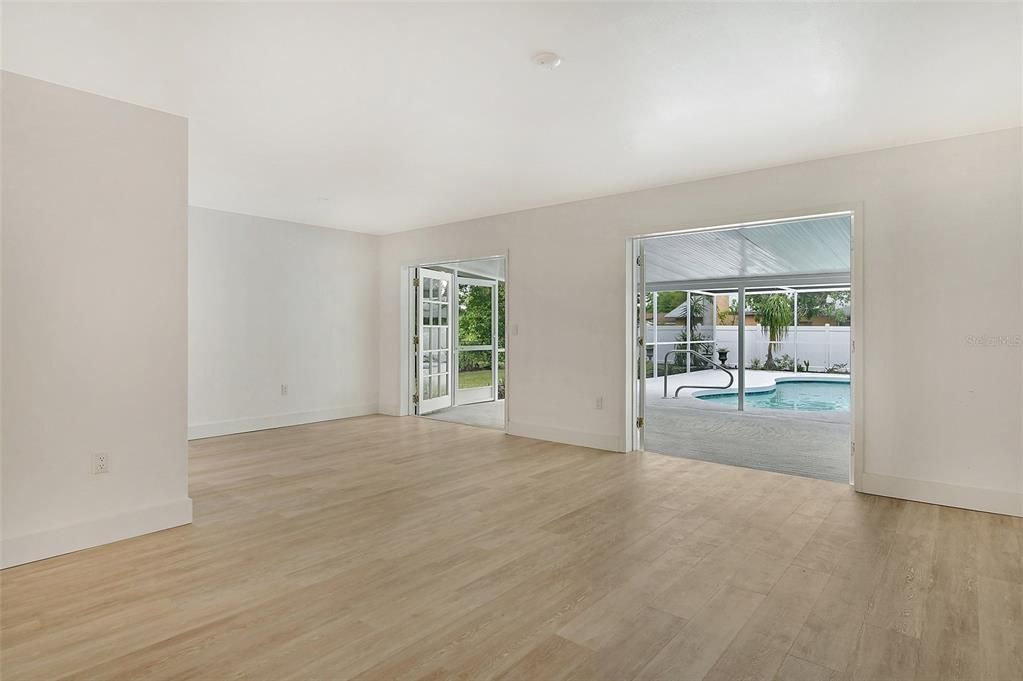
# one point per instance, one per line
(482, 414)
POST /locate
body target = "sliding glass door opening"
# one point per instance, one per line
(752, 321)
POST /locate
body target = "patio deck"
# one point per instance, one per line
(810, 444)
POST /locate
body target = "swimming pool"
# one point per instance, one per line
(791, 396)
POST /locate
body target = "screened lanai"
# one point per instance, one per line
(747, 345)
(460, 342)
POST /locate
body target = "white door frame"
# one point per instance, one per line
(638, 342)
(407, 326)
(467, 396)
(635, 325)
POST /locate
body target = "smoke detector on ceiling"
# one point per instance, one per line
(547, 60)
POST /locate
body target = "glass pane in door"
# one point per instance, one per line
(434, 341)
(475, 369)
(475, 321)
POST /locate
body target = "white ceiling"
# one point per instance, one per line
(384, 117)
(820, 245)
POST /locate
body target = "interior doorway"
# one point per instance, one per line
(458, 341)
(745, 345)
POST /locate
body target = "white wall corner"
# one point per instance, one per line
(60, 540)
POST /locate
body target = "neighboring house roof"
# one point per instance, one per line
(678, 313)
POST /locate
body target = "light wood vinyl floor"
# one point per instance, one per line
(384, 548)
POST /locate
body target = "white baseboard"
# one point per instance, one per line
(247, 425)
(613, 443)
(943, 494)
(48, 543)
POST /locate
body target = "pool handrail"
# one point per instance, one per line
(731, 376)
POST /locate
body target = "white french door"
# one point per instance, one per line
(476, 341)
(639, 348)
(433, 344)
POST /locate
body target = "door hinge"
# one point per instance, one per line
(639, 261)
(415, 342)
(639, 421)
(415, 398)
(415, 282)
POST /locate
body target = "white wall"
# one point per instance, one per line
(273, 303)
(941, 232)
(94, 319)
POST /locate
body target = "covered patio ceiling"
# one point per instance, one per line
(485, 268)
(807, 251)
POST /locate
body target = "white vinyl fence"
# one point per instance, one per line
(824, 347)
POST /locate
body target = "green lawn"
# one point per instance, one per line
(480, 378)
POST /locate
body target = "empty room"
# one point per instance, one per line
(512, 341)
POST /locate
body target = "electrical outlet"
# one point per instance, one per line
(600, 402)
(100, 463)
(284, 389)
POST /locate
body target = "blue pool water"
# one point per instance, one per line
(793, 396)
